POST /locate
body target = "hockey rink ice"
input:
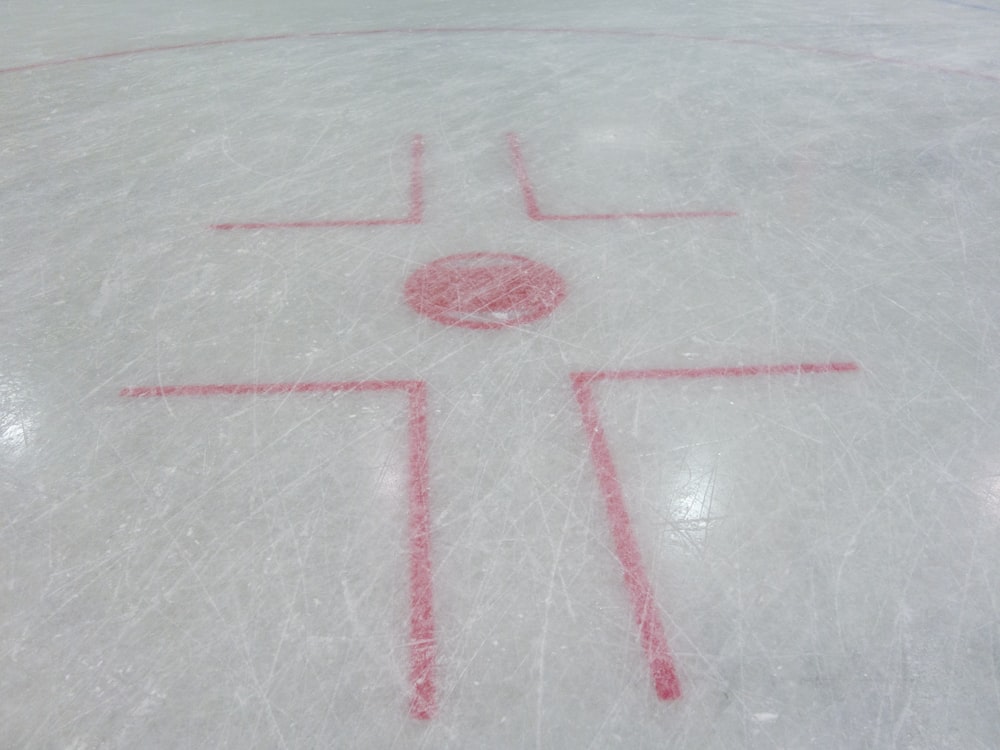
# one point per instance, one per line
(500, 375)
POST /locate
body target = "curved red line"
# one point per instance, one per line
(995, 78)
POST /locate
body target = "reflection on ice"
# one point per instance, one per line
(688, 498)
(16, 423)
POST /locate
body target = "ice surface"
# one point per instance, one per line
(754, 447)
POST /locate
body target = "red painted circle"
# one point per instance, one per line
(484, 290)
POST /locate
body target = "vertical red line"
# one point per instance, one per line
(530, 202)
(654, 641)
(423, 703)
(416, 180)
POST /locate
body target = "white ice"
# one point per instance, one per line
(232, 570)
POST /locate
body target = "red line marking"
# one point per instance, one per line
(521, 172)
(266, 389)
(719, 372)
(509, 30)
(535, 213)
(422, 655)
(484, 290)
(640, 591)
(415, 215)
(423, 701)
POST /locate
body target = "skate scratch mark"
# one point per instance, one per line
(970, 5)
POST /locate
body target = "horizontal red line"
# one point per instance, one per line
(636, 215)
(807, 368)
(267, 389)
(314, 224)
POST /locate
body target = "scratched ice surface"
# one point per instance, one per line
(221, 418)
